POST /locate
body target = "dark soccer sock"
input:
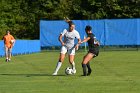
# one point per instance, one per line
(89, 69)
(84, 69)
(88, 66)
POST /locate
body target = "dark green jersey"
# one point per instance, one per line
(92, 41)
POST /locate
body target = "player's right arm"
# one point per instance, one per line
(61, 36)
(3, 38)
(60, 40)
(85, 40)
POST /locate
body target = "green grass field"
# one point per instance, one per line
(113, 72)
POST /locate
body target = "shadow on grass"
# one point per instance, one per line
(29, 75)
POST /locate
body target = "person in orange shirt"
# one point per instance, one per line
(9, 41)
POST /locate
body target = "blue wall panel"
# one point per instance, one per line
(1, 48)
(22, 47)
(138, 31)
(121, 32)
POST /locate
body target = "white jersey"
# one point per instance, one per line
(70, 37)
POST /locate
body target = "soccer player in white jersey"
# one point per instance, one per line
(68, 46)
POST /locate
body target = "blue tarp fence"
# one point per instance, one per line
(22, 47)
(107, 31)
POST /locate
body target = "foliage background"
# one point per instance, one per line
(22, 16)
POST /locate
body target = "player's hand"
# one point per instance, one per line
(97, 43)
(77, 47)
(62, 43)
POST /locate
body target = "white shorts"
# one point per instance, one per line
(64, 50)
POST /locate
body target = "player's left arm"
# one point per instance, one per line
(96, 41)
(77, 45)
(13, 41)
(79, 41)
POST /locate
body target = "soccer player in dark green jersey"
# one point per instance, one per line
(93, 45)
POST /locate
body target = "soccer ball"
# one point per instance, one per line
(68, 71)
(12, 41)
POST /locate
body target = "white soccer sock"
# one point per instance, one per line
(73, 65)
(58, 66)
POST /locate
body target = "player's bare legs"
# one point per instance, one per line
(9, 54)
(59, 63)
(61, 57)
(6, 53)
(85, 63)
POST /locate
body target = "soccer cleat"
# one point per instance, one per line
(83, 75)
(74, 71)
(9, 59)
(89, 72)
(6, 60)
(54, 74)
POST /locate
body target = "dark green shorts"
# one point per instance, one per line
(94, 51)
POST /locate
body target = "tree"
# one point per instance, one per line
(23, 16)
